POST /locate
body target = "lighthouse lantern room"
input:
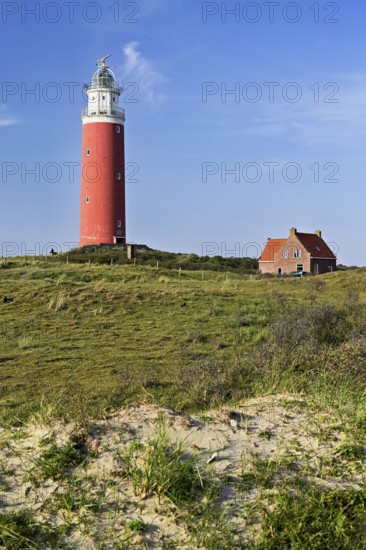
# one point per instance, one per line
(102, 204)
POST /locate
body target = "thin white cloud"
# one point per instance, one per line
(308, 122)
(140, 70)
(6, 119)
(8, 122)
(314, 123)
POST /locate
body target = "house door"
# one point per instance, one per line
(279, 271)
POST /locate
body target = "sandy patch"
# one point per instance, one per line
(276, 428)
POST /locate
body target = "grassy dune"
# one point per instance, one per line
(93, 337)
(104, 334)
(79, 341)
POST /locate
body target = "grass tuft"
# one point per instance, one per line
(56, 461)
(19, 531)
(158, 468)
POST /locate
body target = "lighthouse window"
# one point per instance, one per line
(87, 200)
(88, 152)
(118, 129)
(114, 99)
(119, 223)
(119, 175)
(104, 97)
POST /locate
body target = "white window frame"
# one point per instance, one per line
(118, 129)
(88, 152)
(297, 253)
(119, 224)
(285, 253)
(119, 176)
(87, 199)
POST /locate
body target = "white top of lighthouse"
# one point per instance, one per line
(103, 96)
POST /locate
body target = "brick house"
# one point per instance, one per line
(299, 252)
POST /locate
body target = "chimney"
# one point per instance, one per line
(293, 231)
(318, 232)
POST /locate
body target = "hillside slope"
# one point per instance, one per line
(119, 384)
(96, 336)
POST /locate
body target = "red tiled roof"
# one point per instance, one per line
(315, 245)
(272, 246)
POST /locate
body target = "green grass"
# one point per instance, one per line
(136, 525)
(77, 496)
(56, 461)
(19, 531)
(313, 518)
(157, 468)
(153, 258)
(263, 473)
(161, 468)
(79, 340)
(102, 342)
(352, 451)
(87, 338)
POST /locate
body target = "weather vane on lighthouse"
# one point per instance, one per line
(101, 62)
(102, 202)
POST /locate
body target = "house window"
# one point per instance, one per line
(119, 175)
(87, 200)
(118, 129)
(330, 268)
(279, 271)
(297, 253)
(316, 269)
(285, 253)
(88, 152)
(300, 267)
(119, 223)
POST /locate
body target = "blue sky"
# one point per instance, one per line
(292, 134)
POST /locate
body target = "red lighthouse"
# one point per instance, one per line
(102, 205)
